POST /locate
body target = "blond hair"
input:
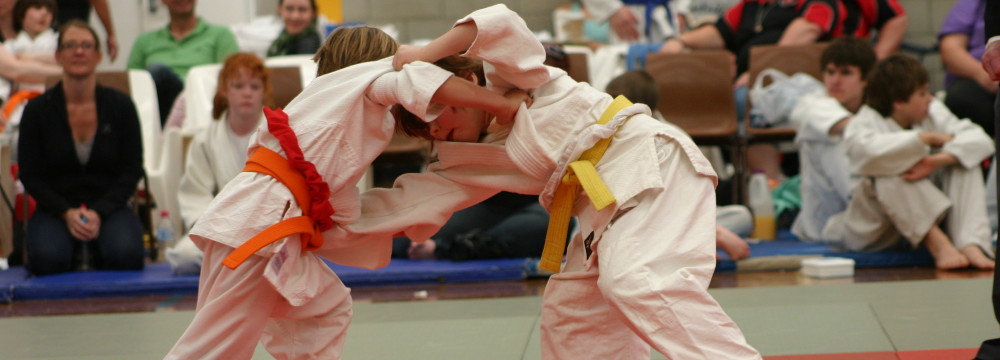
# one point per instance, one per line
(347, 46)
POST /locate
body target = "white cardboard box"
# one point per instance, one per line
(828, 267)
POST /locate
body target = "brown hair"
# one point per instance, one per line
(848, 51)
(76, 23)
(411, 125)
(892, 80)
(231, 70)
(348, 46)
(636, 85)
(21, 8)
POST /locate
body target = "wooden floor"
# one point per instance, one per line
(531, 287)
(879, 314)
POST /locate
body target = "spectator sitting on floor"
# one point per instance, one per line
(507, 225)
(913, 163)
(822, 117)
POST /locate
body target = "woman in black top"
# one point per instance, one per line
(80, 155)
(299, 35)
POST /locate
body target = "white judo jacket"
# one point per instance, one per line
(878, 146)
(826, 177)
(555, 130)
(342, 121)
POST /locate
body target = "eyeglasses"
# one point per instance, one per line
(73, 46)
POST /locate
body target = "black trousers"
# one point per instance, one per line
(990, 350)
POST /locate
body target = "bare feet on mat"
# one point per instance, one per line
(732, 244)
(422, 251)
(977, 257)
(946, 256)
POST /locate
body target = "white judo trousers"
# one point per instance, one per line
(314, 330)
(282, 296)
(646, 283)
(884, 208)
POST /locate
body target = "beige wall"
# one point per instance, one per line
(925, 18)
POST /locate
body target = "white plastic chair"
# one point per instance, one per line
(143, 93)
(165, 178)
(307, 67)
(199, 90)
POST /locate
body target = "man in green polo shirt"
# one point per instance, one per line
(185, 42)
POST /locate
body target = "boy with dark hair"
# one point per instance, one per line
(913, 163)
(636, 85)
(821, 117)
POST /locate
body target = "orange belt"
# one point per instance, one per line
(268, 162)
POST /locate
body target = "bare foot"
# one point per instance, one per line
(946, 256)
(422, 251)
(732, 244)
(977, 257)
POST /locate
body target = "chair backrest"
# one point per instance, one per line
(285, 84)
(307, 67)
(199, 90)
(572, 59)
(696, 94)
(578, 68)
(789, 59)
(289, 75)
(165, 178)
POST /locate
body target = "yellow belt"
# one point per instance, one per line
(580, 173)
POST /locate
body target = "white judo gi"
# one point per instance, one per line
(286, 297)
(826, 178)
(23, 44)
(643, 279)
(884, 206)
(216, 155)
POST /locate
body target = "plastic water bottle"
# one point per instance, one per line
(165, 230)
(762, 207)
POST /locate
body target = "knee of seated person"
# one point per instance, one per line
(47, 267)
(160, 72)
(125, 255)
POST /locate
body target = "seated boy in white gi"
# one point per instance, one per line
(822, 117)
(637, 272)
(914, 166)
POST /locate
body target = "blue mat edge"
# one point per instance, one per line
(16, 284)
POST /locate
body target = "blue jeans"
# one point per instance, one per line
(51, 248)
(515, 221)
